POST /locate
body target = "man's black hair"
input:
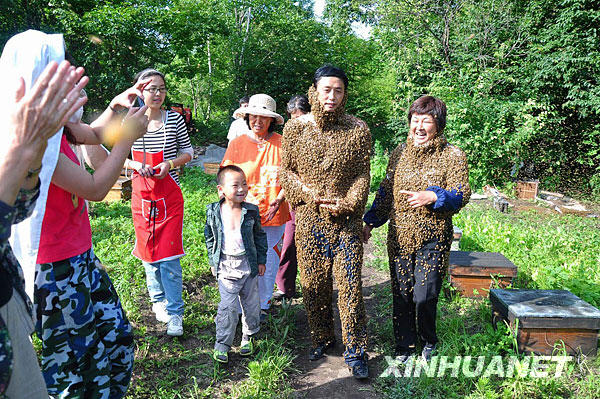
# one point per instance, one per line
(244, 100)
(330, 70)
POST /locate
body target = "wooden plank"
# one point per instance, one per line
(482, 271)
(466, 284)
(542, 341)
(211, 168)
(121, 190)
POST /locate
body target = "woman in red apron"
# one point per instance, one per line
(157, 202)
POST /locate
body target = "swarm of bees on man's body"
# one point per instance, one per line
(328, 152)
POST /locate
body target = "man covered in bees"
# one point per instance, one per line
(325, 174)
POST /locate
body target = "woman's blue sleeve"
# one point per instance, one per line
(374, 216)
(447, 201)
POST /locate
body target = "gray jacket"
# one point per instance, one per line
(253, 236)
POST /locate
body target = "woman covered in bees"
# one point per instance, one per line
(426, 182)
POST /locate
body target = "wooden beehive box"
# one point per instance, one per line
(526, 189)
(470, 271)
(121, 190)
(546, 317)
(456, 239)
(211, 168)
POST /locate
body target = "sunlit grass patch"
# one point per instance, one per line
(183, 367)
(551, 252)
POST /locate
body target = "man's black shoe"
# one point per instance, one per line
(403, 355)
(360, 370)
(319, 351)
(427, 352)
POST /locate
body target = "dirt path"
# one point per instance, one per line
(329, 377)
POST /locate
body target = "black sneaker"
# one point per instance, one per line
(427, 352)
(403, 355)
(319, 351)
(360, 370)
(263, 315)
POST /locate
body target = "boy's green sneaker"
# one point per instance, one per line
(247, 347)
(221, 357)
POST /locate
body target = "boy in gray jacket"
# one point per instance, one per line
(237, 251)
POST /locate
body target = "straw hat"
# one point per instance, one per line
(260, 104)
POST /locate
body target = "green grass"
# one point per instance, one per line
(182, 367)
(551, 252)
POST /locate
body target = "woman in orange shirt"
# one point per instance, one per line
(259, 155)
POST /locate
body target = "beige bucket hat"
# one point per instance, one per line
(260, 104)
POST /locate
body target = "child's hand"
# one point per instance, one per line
(261, 270)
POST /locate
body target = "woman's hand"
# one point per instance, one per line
(38, 114)
(127, 98)
(162, 169)
(273, 208)
(136, 122)
(143, 170)
(146, 171)
(125, 132)
(366, 233)
(261, 269)
(420, 198)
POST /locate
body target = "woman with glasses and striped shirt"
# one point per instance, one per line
(157, 201)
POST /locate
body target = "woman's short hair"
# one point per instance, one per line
(330, 70)
(431, 106)
(146, 73)
(244, 100)
(298, 102)
(271, 125)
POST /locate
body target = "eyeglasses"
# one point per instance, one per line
(155, 90)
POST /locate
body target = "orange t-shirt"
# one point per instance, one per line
(260, 163)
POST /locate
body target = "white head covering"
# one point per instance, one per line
(260, 104)
(26, 55)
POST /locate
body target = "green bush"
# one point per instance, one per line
(379, 162)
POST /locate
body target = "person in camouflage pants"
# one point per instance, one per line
(87, 344)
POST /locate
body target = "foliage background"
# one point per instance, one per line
(520, 78)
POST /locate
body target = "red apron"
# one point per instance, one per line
(157, 209)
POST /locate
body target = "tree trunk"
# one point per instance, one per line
(210, 81)
(242, 22)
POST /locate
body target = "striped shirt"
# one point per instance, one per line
(172, 137)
